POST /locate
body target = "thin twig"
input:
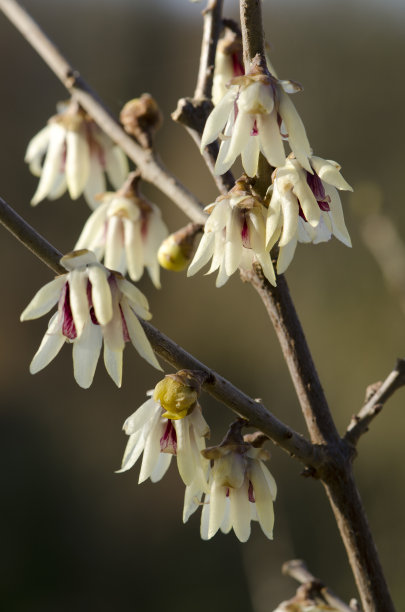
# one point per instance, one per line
(377, 395)
(211, 31)
(152, 169)
(217, 386)
(297, 569)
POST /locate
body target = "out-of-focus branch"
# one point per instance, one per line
(312, 587)
(376, 396)
(217, 386)
(211, 31)
(151, 168)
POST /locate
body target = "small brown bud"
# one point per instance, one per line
(141, 118)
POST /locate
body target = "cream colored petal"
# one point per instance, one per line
(307, 200)
(151, 451)
(36, 149)
(323, 231)
(161, 467)
(95, 182)
(271, 142)
(185, 463)
(141, 416)
(77, 162)
(132, 293)
(336, 214)
(330, 173)
(58, 188)
(138, 337)
(116, 166)
(240, 135)
(290, 210)
(44, 299)
(226, 525)
(218, 118)
(53, 163)
(133, 248)
(50, 346)
(86, 351)
(222, 277)
(218, 254)
(240, 511)
(92, 235)
(263, 498)
(273, 217)
(113, 363)
(114, 245)
(192, 500)
(79, 304)
(219, 217)
(271, 483)
(250, 155)
(217, 508)
(203, 254)
(100, 293)
(233, 242)
(205, 518)
(133, 451)
(297, 136)
(286, 255)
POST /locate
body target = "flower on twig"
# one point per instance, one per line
(234, 235)
(73, 153)
(169, 423)
(94, 304)
(241, 489)
(250, 115)
(127, 230)
(305, 207)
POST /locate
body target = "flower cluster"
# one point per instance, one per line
(126, 230)
(238, 487)
(234, 235)
(254, 116)
(94, 304)
(73, 153)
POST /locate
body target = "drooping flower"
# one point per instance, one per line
(228, 63)
(73, 153)
(305, 207)
(234, 235)
(250, 115)
(169, 423)
(94, 304)
(127, 230)
(241, 489)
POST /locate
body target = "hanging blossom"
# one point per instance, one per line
(234, 235)
(250, 115)
(241, 489)
(127, 230)
(305, 207)
(169, 423)
(73, 153)
(94, 304)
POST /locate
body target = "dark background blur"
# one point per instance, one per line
(76, 536)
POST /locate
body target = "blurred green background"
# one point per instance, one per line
(76, 536)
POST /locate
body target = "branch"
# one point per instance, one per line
(297, 569)
(211, 31)
(151, 167)
(376, 396)
(217, 386)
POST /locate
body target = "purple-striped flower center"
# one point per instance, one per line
(68, 325)
(168, 442)
(318, 190)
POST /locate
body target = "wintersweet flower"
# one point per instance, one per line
(228, 64)
(241, 490)
(305, 207)
(169, 423)
(234, 235)
(73, 153)
(94, 304)
(126, 230)
(250, 115)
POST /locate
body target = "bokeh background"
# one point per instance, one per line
(76, 536)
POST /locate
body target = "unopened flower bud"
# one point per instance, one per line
(176, 250)
(177, 394)
(141, 118)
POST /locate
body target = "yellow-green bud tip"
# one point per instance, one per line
(171, 255)
(175, 397)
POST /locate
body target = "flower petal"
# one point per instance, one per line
(50, 346)
(86, 351)
(77, 166)
(44, 299)
(138, 336)
(218, 118)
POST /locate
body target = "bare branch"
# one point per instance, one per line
(376, 397)
(212, 30)
(217, 386)
(252, 30)
(151, 167)
(297, 569)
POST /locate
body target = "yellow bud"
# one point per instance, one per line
(175, 396)
(171, 256)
